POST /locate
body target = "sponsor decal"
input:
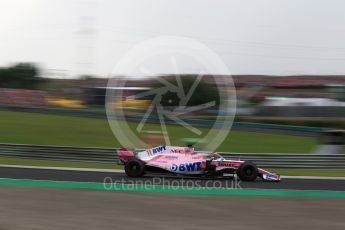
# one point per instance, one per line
(171, 157)
(177, 151)
(271, 177)
(225, 164)
(186, 167)
(228, 164)
(156, 150)
(174, 167)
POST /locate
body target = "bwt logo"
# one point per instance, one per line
(189, 167)
(158, 149)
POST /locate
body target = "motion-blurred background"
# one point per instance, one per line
(56, 56)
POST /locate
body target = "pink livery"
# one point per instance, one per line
(186, 161)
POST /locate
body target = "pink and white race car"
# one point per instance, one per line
(186, 161)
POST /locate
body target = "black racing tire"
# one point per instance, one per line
(247, 171)
(135, 168)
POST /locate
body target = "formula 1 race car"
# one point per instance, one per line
(186, 161)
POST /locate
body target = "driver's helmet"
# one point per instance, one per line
(190, 149)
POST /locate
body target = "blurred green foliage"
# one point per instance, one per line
(202, 91)
(22, 75)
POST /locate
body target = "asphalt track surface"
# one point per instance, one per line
(112, 177)
(53, 208)
(40, 208)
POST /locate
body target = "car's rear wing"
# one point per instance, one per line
(124, 155)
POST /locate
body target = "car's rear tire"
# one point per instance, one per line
(135, 168)
(247, 171)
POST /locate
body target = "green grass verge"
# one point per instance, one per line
(45, 129)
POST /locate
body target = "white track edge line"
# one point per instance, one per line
(63, 168)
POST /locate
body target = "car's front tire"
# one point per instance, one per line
(247, 171)
(135, 168)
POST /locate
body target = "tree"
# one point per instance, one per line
(22, 75)
(204, 92)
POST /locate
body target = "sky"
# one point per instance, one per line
(68, 38)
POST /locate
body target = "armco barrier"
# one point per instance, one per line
(108, 155)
